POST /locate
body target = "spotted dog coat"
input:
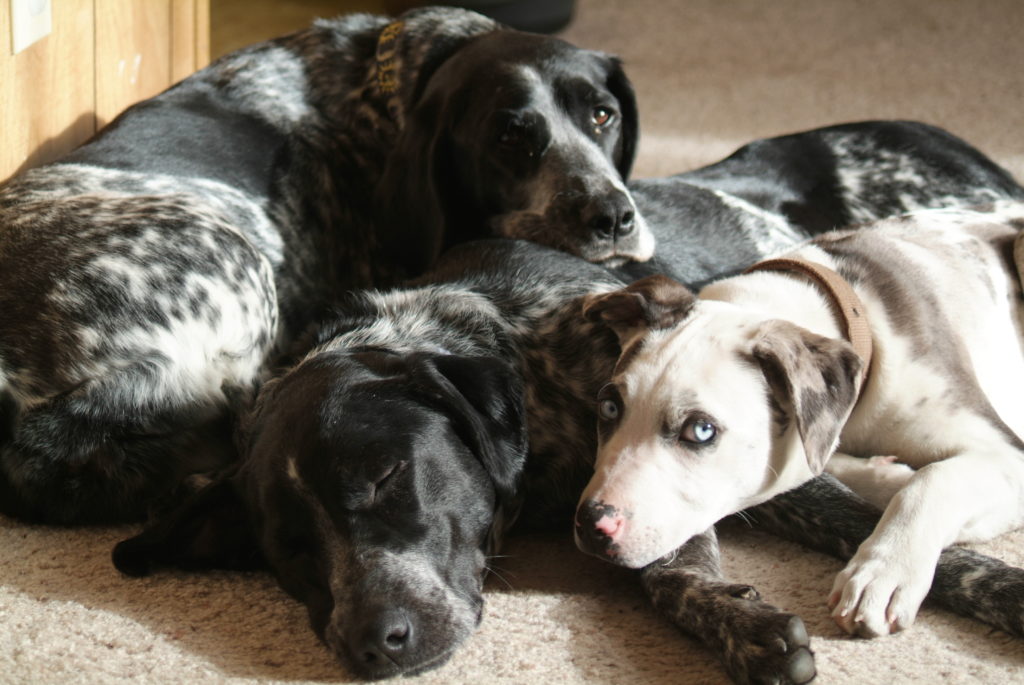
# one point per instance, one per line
(775, 192)
(421, 392)
(492, 337)
(458, 361)
(148, 279)
(723, 402)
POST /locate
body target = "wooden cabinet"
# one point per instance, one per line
(100, 57)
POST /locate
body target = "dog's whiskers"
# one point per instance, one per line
(746, 517)
(497, 574)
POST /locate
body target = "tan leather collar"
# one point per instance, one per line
(849, 307)
(387, 64)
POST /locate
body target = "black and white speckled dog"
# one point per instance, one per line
(147, 278)
(376, 471)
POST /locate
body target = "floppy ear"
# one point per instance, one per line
(410, 198)
(250, 421)
(815, 379)
(622, 89)
(204, 528)
(654, 302)
(485, 395)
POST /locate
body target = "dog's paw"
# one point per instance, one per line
(878, 595)
(764, 644)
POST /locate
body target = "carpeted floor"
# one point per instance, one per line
(710, 75)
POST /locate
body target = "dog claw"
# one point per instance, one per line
(746, 592)
(785, 660)
(801, 667)
(796, 632)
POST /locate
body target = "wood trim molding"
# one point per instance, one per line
(100, 57)
(47, 101)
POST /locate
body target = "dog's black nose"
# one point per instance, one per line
(611, 216)
(384, 638)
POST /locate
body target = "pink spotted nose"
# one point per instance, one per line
(597, 526)
(609, 525)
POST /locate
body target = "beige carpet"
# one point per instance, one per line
(710, 75)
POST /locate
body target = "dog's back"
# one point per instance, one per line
(143, 279)
(775, 192)
(943, 294)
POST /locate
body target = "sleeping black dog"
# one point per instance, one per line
(148, 280)
(379, 471)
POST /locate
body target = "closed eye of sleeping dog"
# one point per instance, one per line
(721, 402)
(391, 588)
(377, 473)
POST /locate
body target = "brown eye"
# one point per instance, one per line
(601, 116)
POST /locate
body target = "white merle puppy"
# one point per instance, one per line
(721, 402)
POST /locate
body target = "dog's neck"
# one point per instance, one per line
(797, 300)
(847, 305)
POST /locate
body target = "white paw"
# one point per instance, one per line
(879, 595)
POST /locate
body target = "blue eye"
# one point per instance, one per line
(608, 409)
(698, 431)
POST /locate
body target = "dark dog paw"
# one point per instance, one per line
(756, 642)
(761, 644)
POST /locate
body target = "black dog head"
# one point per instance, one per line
(520, 136)
(369, 484)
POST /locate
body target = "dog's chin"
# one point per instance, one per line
(638, 246)
(616, 554)
(641, 245)
(613, 256)
(642, 553)
(383, 669)
(391, 670)
(439, 629)
(621, 558)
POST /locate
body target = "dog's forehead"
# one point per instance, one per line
(333, 472)
(507, 62)
(493, 50)
(363, 429)
(555, 87)
(328, 418)
(683, 360)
